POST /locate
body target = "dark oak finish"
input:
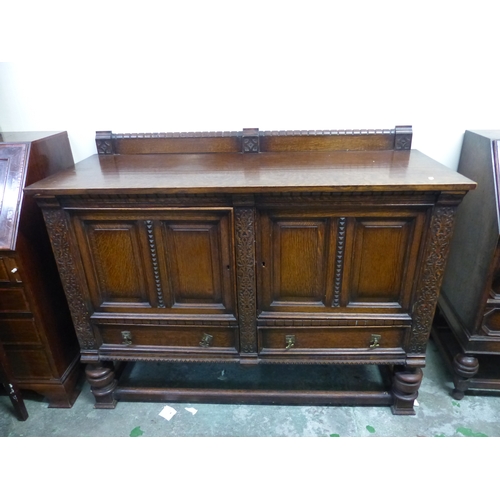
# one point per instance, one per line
(35, 324)
(467, 325)
(8, 381)
(310, 247)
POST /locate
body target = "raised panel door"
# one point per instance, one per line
(168, 261)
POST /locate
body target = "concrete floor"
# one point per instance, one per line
(438, 415)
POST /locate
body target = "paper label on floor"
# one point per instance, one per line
(168, 412)
(191, 410)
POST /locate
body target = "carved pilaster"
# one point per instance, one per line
(427, 293)
(58, 229)
(245, 278)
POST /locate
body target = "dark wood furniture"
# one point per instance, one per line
(467, 323)
(35, 324)
(10, 385)
(255, 248)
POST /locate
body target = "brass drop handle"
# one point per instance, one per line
(206, 340)
(126, 338)
(375, 341)
(289, 341)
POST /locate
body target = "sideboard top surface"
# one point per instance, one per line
(245, 173)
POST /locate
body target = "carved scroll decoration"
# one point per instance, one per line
(245, 275)
(154, 261)
(58, 230)
(427, 294)
(339, 261)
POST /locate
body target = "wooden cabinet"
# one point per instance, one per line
(253, 248)
(35, 324)
(467, 323)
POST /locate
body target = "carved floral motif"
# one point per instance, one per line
(59, 230)
(427, 294)
(245, 275)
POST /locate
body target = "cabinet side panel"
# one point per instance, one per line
(475, 235)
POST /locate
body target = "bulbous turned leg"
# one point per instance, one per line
(101, 377)
(405, 386)
(464, 367)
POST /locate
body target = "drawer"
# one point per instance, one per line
(29, 363)
(18, 331)
(13, 300)
(192, 337)
(9, 271)
(273, 340)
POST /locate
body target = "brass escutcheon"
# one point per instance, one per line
(375, 341)
(206, 340)
(126, 338)
(289, 341)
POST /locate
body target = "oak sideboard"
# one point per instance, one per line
(253, 249)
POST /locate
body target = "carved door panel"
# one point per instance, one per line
(381, 260)
(169, 261)
(296, 261)
(320, 262)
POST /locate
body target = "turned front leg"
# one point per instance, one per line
(405, 385)
(464, 368)
(101, 377)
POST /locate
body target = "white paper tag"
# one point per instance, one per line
(415, 403)
(191, 410)
(168, 412)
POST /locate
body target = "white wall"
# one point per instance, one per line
(217, 65)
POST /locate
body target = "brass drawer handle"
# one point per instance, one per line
(206, 340)
(289, 341)
(375, 341)
(126, 338)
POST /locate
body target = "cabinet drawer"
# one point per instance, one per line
(13, 300)
(9, 272)
(308, 339)
(192, 337)
(18, 331)
(27, 363)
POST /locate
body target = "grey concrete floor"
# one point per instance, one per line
(437, 415)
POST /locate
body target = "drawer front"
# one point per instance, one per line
(190, 337)
(13, 300)
(9, 271)
(294, 340)
(29, 363)
(18, 331)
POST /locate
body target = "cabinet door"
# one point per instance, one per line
(381, 259)
(324, 262)
(295, 267)
(168, 261)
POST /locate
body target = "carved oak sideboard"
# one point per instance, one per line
(35, 323)
(253, 248)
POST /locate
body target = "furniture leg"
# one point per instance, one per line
(101, 377)
(405, 384)
(464, 367)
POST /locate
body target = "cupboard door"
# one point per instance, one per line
(383, 254)
(295, 261)
(168, 261)
(325, 262)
